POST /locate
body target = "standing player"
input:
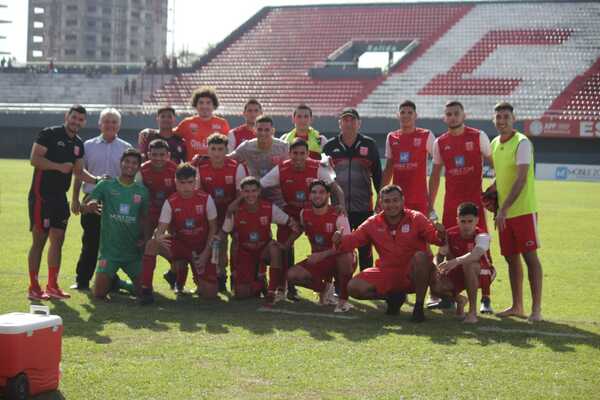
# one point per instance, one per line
(355, 159)
(195, 130)
(253, 246)
(166, 120)
(122, 204)
(466, 262)
(516, 219)
(461, 151)
(57, 153)
(302, 119)
(190, 217)
(220, 177)
(247, 131)
(293, 177)
(401, 237)
(406, 152)
(319, 222)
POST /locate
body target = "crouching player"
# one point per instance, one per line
(405, 265)
(123, 205)
(250, 224)
(320, 222)
(189, 216)
(467, 263)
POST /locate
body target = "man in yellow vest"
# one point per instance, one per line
(302, 118)
(516, 219)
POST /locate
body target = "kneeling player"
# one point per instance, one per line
(466, 262)
(320, 222)
(250, 224)
(190, 217)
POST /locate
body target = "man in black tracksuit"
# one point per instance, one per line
(355, 159)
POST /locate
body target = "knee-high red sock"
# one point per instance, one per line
(53, 276)
(33, 280)
(148, 265)
(485, 282)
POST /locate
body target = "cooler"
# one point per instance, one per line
(30, 351)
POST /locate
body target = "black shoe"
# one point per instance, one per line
(486, 306)
(445, 303)
(418, 313)
(114, 285)
(80, 287)
(171, 278)
(292, 293)
(222, 283)
(147, 297)
(394, 301)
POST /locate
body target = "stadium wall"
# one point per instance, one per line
(18, 131)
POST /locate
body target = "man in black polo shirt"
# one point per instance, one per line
(56, 154)
(355, 159)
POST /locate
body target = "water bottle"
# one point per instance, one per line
(216, 247)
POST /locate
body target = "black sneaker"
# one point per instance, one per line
(171, 278)
(147, 297)
(222, 283)
(394, 301)
(292, 293)
(418, 313)
(445, 303)
(486, 306)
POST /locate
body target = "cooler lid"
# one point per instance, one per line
(15, 323)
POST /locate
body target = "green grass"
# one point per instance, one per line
(189, 349)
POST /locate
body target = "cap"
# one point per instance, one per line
(349, 111)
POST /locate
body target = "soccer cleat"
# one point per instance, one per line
(445, 303)
(292, 294)
(147, 297)
(37, 294)
(57, 293)
(343, 307)
(486, 306)
(394, 301)
(171, 278)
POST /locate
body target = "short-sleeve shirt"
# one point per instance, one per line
(61, 148)
(238, 136)
(176, 144)
(103, 158)
(123, 206)
(195, 131)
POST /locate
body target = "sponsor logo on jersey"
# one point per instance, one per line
(114, 192)
(329, 227)
(469, 146)
(124, 209)
(254, 237)
(264, 220)
(199, 209)
(363, 150)
(60, 143)
(219, 192)
(208, 178)
(459, 161)
(137, 199)
(193, 127)
(417, 142)
(405, 228)
(319, 239)
(300, 195)
(228, 179)
(189, 223)
(76, 151)
(404, 157)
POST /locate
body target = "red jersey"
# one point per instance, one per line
(189, 222)
(195, 131)
(294, 185)
(396, 245)
(459, 246)
(253, 229)
(160, 184)
(319, 228)
(241, 134)
(218, 182)
(408, 152)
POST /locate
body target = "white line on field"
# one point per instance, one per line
(532, 332)
(305, 314)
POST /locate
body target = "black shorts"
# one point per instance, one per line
(48, 212)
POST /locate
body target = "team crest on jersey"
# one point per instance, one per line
(124, 209)
(459, 161)
(76, 151)
(319, 239)
(137, 199)
(405, 228)
(102, 263)
(264, 220)
(168, 182)
(228, 179)
(219, 192)
(417, 142)
(46, 223)
(404, 157)
(216, 127)
(254, 236)
(329, 227)
(60, 143)
(469, 146)
(189, 223)
(300, 195)
(199, 209)
(364, 151)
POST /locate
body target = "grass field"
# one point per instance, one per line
(189, 349)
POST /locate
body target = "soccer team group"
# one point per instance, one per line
(192, 186)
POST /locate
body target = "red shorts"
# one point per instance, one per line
(324, 270)
(181, 252)
(246, 269)
(388, 280)
(520, 235)
(457, 277)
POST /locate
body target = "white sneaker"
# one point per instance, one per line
(328, 298)
(343, 307)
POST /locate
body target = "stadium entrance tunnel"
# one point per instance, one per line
(346, 61)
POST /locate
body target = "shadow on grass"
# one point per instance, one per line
(54, 395)
(366, 321)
